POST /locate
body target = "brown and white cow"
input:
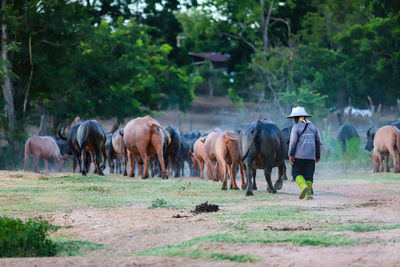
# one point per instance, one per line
(386, 141)
(44, 147)
(228, 156)
(145, 137)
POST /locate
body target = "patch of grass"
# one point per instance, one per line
(68, 248)
(364, 227)
(269, 213)
(43, 178)
(158, 203)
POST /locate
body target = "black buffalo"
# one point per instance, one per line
(91, 137)
(112, 155)
(346, 132)
(187, 143)
(73, 145)
(263, 146)
(173, 154)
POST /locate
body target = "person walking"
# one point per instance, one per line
(304, 150)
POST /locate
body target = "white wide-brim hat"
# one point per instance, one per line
(298, 112)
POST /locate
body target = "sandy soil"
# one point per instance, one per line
(132, 229)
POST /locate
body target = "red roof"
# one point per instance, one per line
(211, 56)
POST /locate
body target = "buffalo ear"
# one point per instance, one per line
(203, 139)
(121, 133)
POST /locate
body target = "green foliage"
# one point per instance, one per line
(364, 227)
(26, 239)
(158, 203)
(313, 101)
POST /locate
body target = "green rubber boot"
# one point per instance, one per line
(308, 193)
(303, 186)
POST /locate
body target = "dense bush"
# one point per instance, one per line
(26, 239)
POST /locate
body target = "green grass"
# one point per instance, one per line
(364, 227)
(271, 213)
(69, 248)
(32, 196)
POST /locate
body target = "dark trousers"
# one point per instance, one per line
(304, 167)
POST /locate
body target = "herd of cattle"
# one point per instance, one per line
(145, 144)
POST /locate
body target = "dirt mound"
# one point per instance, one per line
(205, 207)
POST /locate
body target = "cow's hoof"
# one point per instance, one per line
(145, 177)
(84, 173)
(125, 174)
(131, 175)
(249, 193)
(165, 177)
(254, 187)
(224, 187)
(243, 186)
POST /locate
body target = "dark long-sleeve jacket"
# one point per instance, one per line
(308, 145)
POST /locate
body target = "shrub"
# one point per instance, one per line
(26, 239)
(158, 203)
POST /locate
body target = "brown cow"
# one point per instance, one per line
(145, 137)
(43, 147)
(120, 148)
(199, 157)
(387, 141)
(209, 146)
(228, 156)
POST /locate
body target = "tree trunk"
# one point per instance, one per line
(7, 83)
(265, 24)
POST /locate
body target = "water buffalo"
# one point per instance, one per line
(346, 133)
(91, 137)
(174, 153)
(387, 141)
(73, 145)
(228, 157)
(209, 147)
(187, 144)
(120, 148)
(263, 146)
(112, 155)
(145, 137)
(42, 147)
(199, 158)
(371, 135)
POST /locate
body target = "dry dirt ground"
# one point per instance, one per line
(130, 229)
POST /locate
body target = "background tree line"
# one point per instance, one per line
(120, 58)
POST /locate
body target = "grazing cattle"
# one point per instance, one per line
(387, 141)
(145, 137)
(91, 137)
(187, 144)
(209, 146)
(263, 146)
(173, 153)
(74, 145)
(228, 157)
(371, 135)
(199, 158)
(42, 147)
(112, 156)
(120, 148)
(346, 133)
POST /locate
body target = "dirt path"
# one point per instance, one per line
(132, 229)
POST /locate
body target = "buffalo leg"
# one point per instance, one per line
(26, 161)
(242, 175)
(281, 170)
(254, 179)
(267, 174)
(123, 162)
(387, 164)
(284, 176)
(393, 154)
(36, 162)
(162, 164)
(200, 163)
(131, 165)
(232, 174)
(85, 161)
(104, 152)
(223, 169)
(97, 162)
(249, 174)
